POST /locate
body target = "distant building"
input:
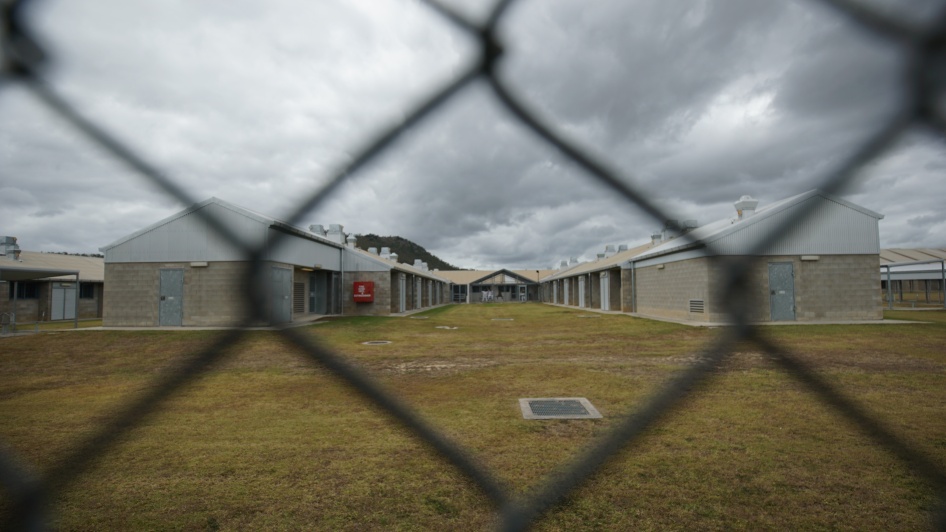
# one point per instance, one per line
(477, 286)
(48, 286)
(913, 275)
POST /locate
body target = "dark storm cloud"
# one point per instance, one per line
(695, 103)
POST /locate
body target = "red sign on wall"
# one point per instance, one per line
(363, 292)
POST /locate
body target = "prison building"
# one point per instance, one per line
(823, 268)
(596, 284)
(38, 287)
(181, 272)
(913, 276)
(478, 286)
(376, 284)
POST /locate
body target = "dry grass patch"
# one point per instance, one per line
(267, 440)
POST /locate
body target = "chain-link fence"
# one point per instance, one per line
(923, 77)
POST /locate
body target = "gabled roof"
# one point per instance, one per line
(253, 215)
(476, 276)
(717, 230)
(505, 272)
(35, 265)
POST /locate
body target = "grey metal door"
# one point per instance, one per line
(782, 291)
(318, 293)
(64, 302)
(402, 293)
(281, 295)
(171, 293)
(605, 286)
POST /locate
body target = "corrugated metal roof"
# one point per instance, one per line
(248, 213)
(90, 269)
(836, 226)
(607, 263)
(394, 265)
(902, 255)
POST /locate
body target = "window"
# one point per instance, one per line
(25, 290)
(86, 291)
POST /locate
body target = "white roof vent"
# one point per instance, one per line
(609, 250)
(622, 247)
(394, 257)
(385, 253)
(745, 207)
(352, 241)
(318, 229)
(373, 251)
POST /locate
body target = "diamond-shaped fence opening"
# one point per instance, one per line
(922, 50)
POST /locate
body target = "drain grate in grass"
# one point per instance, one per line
(446, 327)
(419, 317)
(503, 319)
(376, 342)
(558, 408)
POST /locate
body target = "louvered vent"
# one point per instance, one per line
(696, 305)
(298, 298)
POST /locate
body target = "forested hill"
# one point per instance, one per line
(406, 250)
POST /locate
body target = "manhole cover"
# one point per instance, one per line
(376, 342)
(558, 408)
(446, 327)
(503, 319)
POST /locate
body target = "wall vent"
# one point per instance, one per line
(696, 306)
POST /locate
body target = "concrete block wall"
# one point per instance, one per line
(594, 298)
(833, 287)
(667, 291)
(216, 294)
(615, 281)
(213, 295)
(90, 308)
(838, 287)
(626, 297)
(131, 294)
(384, 288)
(27, 310)
(395, 291)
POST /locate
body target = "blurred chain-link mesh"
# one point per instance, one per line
(923, 78)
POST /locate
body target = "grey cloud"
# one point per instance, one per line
(697, 103)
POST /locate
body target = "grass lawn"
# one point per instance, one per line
(268, 441)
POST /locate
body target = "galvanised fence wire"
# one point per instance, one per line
(923, 77)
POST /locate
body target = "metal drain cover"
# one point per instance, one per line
(419, 317)
(503, 319)
(376, 342)
(558, 408)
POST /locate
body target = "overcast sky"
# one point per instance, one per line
(257, 103)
